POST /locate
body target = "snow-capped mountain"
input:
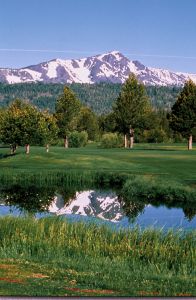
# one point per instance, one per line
(110, 67)
(104, 205)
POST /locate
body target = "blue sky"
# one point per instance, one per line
(159, 33)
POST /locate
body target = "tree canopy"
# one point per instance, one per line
(183, 113)
(131, 106)
(67, 110)
(21, 123)
(87, 121)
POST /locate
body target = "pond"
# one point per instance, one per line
(94, 205)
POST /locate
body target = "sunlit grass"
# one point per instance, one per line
(169, 161)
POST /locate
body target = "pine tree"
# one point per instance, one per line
(87, 121)
(131, 108)
(183, 114)
(67, 110)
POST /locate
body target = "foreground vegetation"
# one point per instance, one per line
(52, 257)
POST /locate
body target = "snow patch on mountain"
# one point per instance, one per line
(111, 67)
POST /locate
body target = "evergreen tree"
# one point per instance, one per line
(67, 110)
(87, 121)
(107, 123)
(131, 108)
(183, 114)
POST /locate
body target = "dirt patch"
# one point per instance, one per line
(38, 275)
(90, 291)
(11, 280)
(4, 266)
(149, 293)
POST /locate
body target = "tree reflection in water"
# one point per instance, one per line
(28, 199)
(34, 198)
(189, 212)
(133, 209)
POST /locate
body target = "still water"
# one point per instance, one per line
(98, 206)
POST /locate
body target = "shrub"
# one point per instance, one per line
(177, 137)
(111, 140)
(78, 139)
(155, 136)
(141, 189)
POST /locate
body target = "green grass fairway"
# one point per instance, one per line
(170, 162)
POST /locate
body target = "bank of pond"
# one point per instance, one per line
(120, 199)
(109, 229)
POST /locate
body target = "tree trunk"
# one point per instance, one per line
(131, 132)
(27, 148)
(47, 148)
(12, 149)
(66, 142)
(190, 142)
(131, 142)
(125, 140)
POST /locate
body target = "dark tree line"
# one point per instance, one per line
(98, 97)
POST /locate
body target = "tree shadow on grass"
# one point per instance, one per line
(6, 155)
(154, 149)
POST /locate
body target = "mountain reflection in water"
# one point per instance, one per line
(106, 205)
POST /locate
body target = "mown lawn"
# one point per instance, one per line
(170, 162)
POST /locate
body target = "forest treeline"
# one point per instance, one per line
(99, 97)
(132, 117)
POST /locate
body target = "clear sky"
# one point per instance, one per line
(159, 33)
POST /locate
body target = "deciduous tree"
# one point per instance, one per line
(22, 124)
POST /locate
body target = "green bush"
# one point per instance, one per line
(78, 139)
(141, 189)
(157, 136)
(111, 140)
(178, 138)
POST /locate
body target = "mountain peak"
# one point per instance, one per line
(115, 53)
(111, 67)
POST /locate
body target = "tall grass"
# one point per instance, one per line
(55, 239)
(75, 178)
(130, 263)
